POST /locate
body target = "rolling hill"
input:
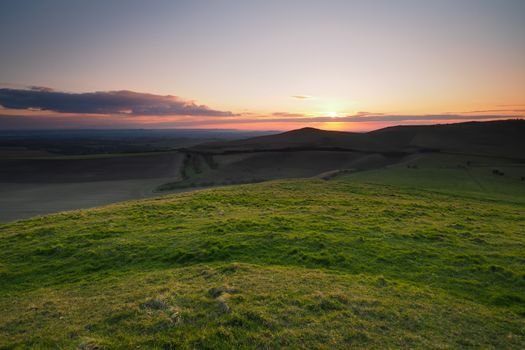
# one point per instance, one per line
(311, 264)
(494, 138)
(308, 152)
(410, 248)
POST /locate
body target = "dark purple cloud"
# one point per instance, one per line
(106, 102)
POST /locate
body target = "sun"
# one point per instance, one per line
(331, 114)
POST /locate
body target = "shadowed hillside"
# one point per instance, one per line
(309, 152)
(495, 138)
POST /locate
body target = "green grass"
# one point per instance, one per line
(284, 264)
(453, 174)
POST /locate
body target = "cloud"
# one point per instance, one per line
(427, 117)
(39, 120)
(287, 115)
(302, 97)
(498, 111)
(364, 114)
(41, 88)
(388, 119)
(105, 102)
(351, 119)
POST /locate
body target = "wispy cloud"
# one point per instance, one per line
(512, 105)
(36, 120)
(302, 97)
(498, 111)
(359, 118)
(385, 118)
(41, 88)
(287, 115)
(105, 102)
(364, 114)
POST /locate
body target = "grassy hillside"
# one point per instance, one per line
(290, 263)
(454, 174)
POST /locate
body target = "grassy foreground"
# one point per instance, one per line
(293, 264)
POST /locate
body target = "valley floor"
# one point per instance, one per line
(25, 200)
(39, 186)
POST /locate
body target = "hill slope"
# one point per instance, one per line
(309, 152)
(293, 264)
(495, 138)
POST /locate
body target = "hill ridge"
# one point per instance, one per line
(491, 138)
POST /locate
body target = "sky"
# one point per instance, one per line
(259, 64)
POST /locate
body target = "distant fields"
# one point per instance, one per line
(25, 200)
(204, 170)
(380, 259)
(37, 186)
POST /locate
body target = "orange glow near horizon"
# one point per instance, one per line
(332, 126)
(278, 121)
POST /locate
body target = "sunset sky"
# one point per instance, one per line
(267, 65)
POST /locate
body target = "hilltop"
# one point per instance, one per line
(292, 264)
(493, 138)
